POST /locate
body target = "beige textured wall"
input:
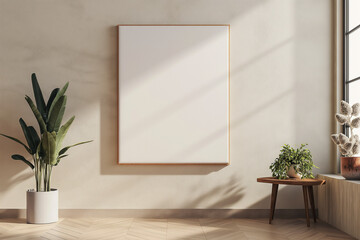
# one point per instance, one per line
(280, 93)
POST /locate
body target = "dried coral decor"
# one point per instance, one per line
(348, 146)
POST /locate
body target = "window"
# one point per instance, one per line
(351, 53)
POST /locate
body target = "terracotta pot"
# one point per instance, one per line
(350, 168)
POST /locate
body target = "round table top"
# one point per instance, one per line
(292, 181)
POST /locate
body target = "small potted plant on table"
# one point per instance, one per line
(45, 150)
(348, 146)
(296, 163)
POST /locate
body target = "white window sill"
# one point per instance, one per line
(339, 177)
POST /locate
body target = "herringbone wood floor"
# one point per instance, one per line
(174, 229)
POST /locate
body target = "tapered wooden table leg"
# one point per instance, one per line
(307, 186)
(312, 202)
(306, 203)
(273, 201)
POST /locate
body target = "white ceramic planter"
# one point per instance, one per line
(291, 172)
(42, 207)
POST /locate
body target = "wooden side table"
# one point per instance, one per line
(307, 186)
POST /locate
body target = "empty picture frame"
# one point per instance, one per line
(173, 94)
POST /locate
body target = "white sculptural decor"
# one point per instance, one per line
(348, 146)
(173, 94)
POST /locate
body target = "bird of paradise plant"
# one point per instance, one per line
(45, 149)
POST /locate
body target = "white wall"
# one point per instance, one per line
(281, 85)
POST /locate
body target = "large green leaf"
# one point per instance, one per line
(59, 158)
(32, 145)
(19, 157)
(39, 150)
(62, 151)
(57, 97)
(49, 147)
(37, 114)
(40, 103)
(63, 130)
(51, 99)
(62, 156)
(56, 116)
(18, 141)
(34, 136)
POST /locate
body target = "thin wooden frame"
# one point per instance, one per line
(228, 94)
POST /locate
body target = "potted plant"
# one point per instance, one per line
(45, 150)
(292, 162)
(348, 146)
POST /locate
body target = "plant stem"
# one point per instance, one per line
(36, 172)
(47, 169)
(45, 177)
(50, 170)
(41, 174)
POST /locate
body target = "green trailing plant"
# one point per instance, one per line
(299, 158)
(45, 148)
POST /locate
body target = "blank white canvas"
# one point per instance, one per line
(173, 94)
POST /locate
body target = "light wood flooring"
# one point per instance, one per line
(161, 229)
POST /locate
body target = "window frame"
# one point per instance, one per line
(345, 52)
(345, 58)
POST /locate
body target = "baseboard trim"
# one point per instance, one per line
(163, 213)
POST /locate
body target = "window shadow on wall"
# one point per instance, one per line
(109, 158)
